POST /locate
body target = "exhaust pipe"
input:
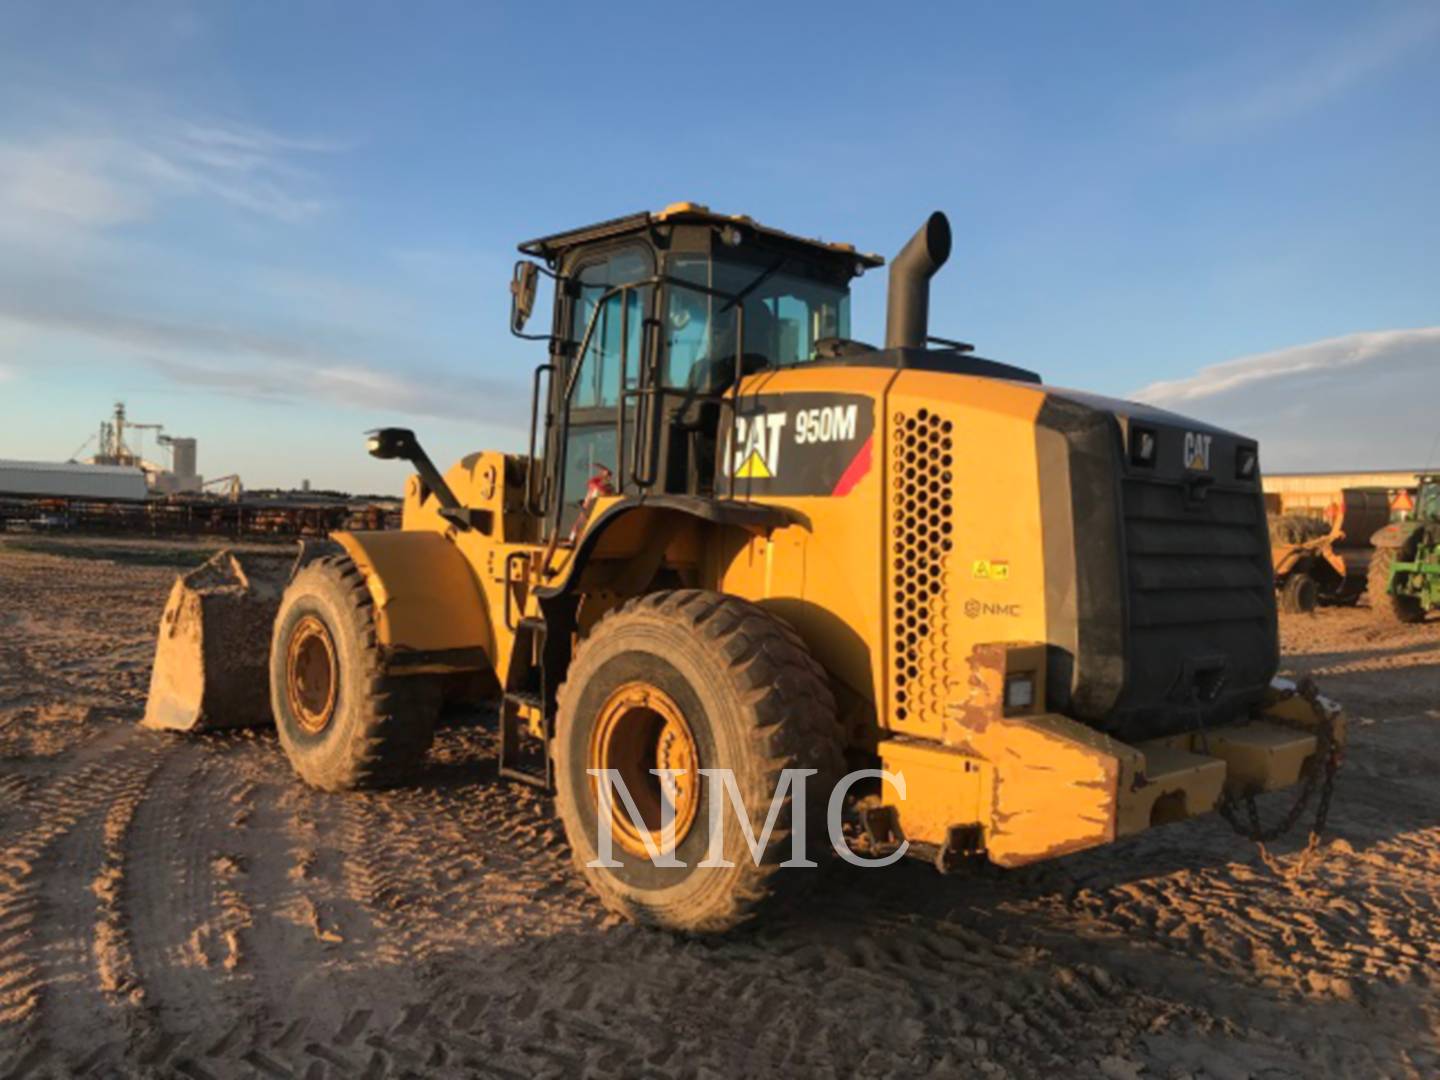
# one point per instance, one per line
(907, 309)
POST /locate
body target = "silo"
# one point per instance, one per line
(183, 462)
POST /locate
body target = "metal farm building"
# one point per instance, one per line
(72, 481)
(1314, 492)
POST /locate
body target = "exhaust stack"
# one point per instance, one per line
(907, 310)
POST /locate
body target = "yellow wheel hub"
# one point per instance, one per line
(312, 675)
(640, 728)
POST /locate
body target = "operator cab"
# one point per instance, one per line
(1427, 498)
(659, 316)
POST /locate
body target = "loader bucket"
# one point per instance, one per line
(212, 658)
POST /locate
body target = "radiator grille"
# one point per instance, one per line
(1200, 591)
(922, 452)
(1203, 563)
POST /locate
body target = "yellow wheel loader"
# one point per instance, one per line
(756, 582)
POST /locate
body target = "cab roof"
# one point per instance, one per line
(553, 246)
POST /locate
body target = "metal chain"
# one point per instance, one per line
(1324, 764)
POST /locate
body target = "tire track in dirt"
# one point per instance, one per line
(290, 945)
(50, 811)
(63, 935)
(316, 831)
(460, 861)
(467, 947)
(785, 1004)
(185, 927)
(15, 792)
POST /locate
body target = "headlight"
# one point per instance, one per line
(1247, 463)
(1142, 446)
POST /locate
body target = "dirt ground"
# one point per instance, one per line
(175, 906)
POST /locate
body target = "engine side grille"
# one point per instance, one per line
(922, 455)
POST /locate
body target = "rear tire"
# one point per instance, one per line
(343, 722)
(738, 685)
(1300, 595)
(1384, 605)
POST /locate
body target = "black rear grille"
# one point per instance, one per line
(1201, 611)
(1160, 608)
(1173, 548)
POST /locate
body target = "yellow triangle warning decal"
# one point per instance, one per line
(754, 468)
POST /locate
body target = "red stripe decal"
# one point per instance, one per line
(856, 470)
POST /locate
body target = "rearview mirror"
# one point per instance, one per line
(522, 295)
(390, 443)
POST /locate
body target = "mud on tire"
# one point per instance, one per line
(1385, 606)
(373, 730)
(755, 701)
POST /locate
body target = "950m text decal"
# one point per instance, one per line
(798, 444)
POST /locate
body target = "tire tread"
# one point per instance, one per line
(792, 713)
(1385, 605)
(396, 713)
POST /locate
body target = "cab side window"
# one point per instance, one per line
(598, 385)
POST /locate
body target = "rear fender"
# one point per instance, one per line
(1397, 534)
(430, 615)
(657, 518)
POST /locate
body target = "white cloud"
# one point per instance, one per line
(333, 299)
(14, 336)
(1365, 400)
(83, 276)
(355, 385)
(1379, 348)
(1277, 87)
(263, 366)
(69, 178)
(111, 171)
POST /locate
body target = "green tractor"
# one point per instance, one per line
(1404, 581)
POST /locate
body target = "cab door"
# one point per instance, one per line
(604, 367)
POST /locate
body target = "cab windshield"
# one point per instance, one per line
(1427, 506)
(787, 310)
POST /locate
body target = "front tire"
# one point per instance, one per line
(693, 680)
(1300, 594)
(343, 722)
(1385, 605)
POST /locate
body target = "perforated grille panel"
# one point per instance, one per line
(922, 522)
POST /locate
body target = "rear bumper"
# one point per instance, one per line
(1036, 787)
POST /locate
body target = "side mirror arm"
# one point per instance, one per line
(387, 444)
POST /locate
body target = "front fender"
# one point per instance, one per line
(430, 615)
(1395, 535)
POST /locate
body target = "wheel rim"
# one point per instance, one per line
(640, 728)
(312, 678)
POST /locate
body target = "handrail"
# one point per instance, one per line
(531, 505)
(728, 463)
(624, 374)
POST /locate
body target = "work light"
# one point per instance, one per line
(1142, 446)
(1019, 692)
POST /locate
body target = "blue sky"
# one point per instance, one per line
(274, 226)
